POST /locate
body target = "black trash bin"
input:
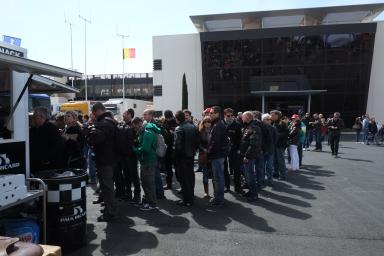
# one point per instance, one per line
(66, 207)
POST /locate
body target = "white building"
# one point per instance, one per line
(314, 59)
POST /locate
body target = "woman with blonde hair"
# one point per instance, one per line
(74, 140)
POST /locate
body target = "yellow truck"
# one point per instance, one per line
(82, 107)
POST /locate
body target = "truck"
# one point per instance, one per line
(119, 106)
(82, 107)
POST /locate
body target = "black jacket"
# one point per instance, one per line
(271, 146)
(47, 148)
(282, 134)
(102, 137)
(339, 124)
(251, 145)
(186, 140)
(125, 141)
(293, 137)
(168, 133)
(234, 133)
(218, 142)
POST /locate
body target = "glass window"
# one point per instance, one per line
(5, 105)
(338, 41)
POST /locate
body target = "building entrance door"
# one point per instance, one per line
(288, 107)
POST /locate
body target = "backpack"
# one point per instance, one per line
(161, 147)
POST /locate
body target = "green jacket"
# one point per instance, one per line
(146, 151)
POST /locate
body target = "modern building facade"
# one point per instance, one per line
(318, 60)
(107, 86)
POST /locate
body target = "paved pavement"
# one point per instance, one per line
(331, 207)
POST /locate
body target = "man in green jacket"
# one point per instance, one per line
(146, 152)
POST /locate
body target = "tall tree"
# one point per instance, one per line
(184, 99)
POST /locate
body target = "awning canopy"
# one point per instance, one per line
(34, 67)
(45, 85)
(288, 93)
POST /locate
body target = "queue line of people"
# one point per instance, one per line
(251, 146)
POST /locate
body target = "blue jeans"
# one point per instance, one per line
(279, 158)
(269, 166)
(158, 180)
(91, 165)
(204, 168)
(260, 171)
(307, 138)
(358, 136)
(319, 138)
(366, 136)
(218, 178)
(250, 177)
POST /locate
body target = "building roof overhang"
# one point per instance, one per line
(291, 17)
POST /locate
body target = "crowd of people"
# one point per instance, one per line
(128, 158)
(368, 131)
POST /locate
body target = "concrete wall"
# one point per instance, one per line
(179, 54)
(375, 105)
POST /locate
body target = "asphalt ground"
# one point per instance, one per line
(330, 207)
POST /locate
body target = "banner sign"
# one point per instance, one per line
(12, 158)
(11, 52)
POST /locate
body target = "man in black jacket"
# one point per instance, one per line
(185, 145)
(46, 144)
(102, 138)
(250, 150)
(217, 150)
(335, 125)
(234, 158)
(129, 158)
(269, 149)
(281, 144)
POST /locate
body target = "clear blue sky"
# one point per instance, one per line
(40, 25)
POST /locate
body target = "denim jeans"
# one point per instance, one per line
(307, 138)
(158, 181)
(204, 168)
(366, 136)
(319, 137)
(250, 177)
(269, 166)
(218, 178)
(91, 165)
(260, 171)
(294, 157)
(358, 136)
(280, 161)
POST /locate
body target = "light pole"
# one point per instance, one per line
(70, 28)
(85, 55)
(122, 40)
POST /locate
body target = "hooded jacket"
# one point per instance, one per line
(146, 150)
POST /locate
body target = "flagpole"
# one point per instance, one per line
(122, 41)
(85, 55)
